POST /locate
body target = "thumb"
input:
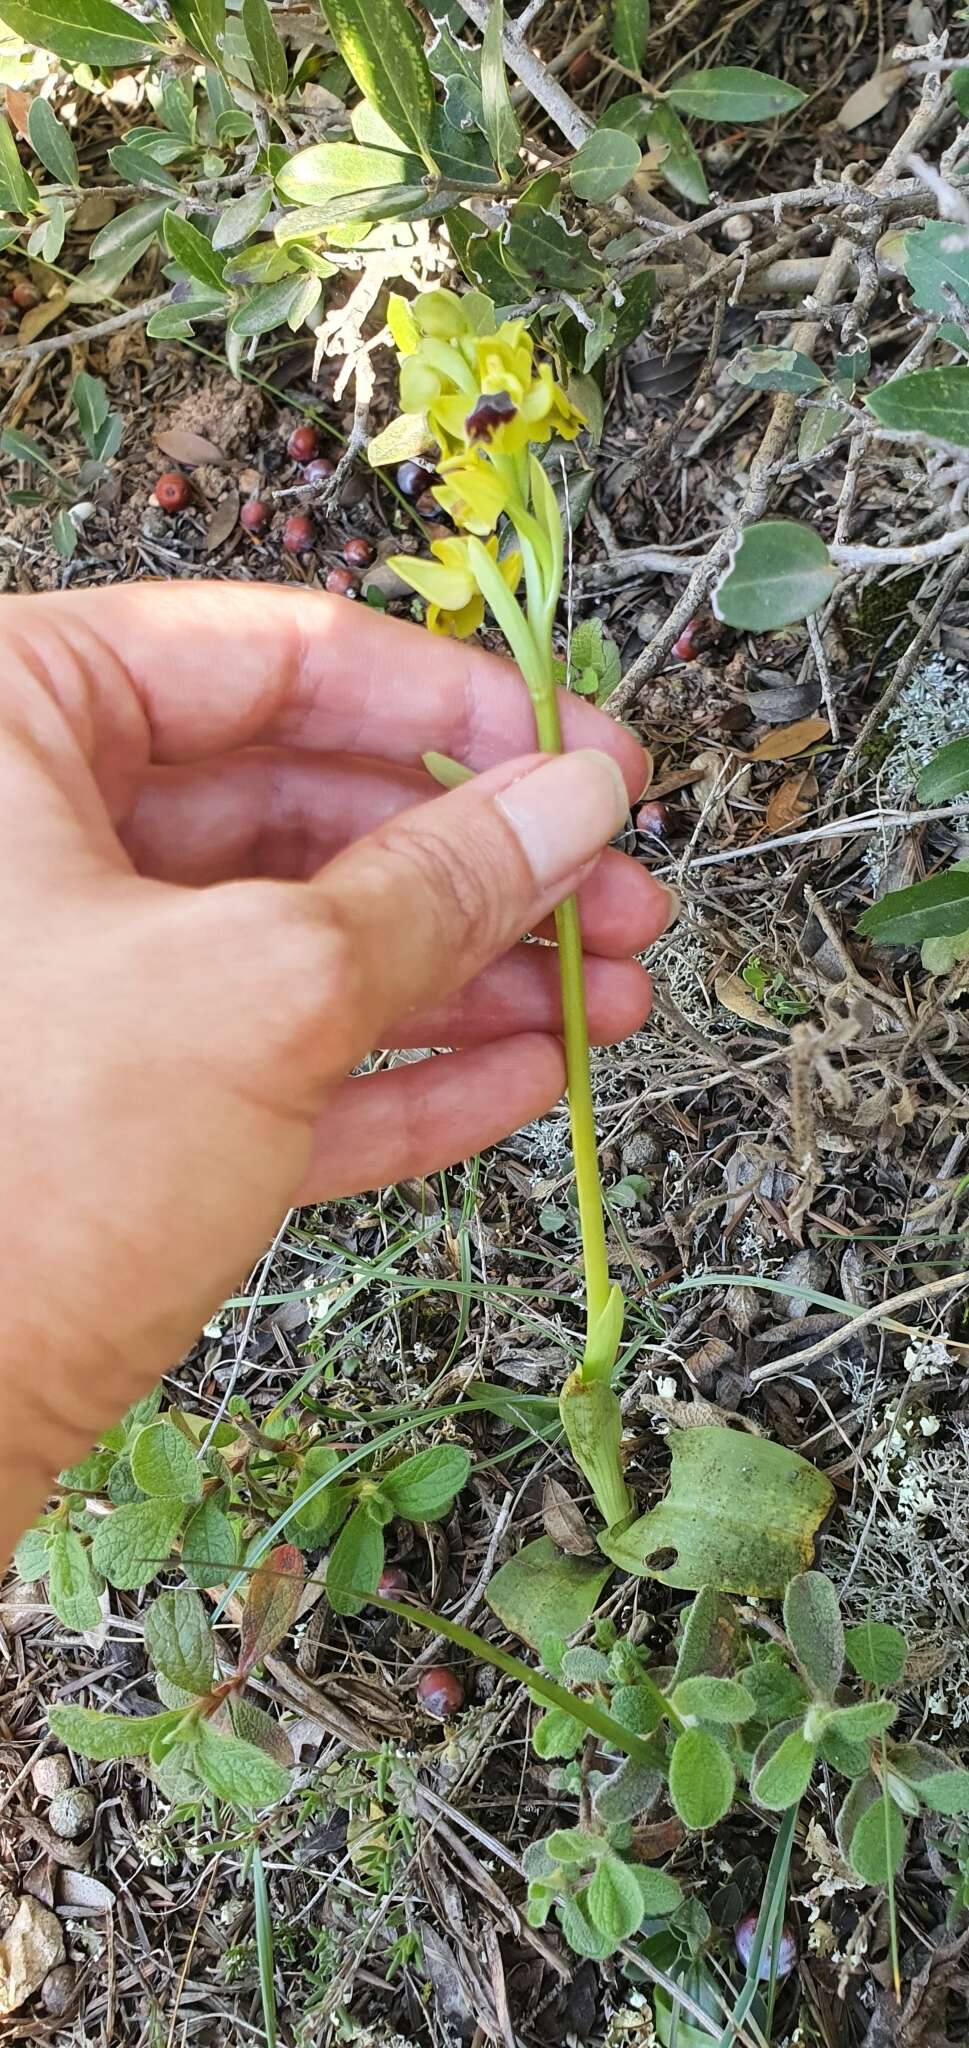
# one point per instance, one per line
(417, 908)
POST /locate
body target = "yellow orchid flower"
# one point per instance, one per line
(476, 383)
(455, 605)
(472, 492)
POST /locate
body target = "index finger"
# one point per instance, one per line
(217, 666)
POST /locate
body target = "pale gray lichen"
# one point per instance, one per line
(931, 710)
(912, 1563)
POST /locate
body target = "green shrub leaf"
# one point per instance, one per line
(265, 48)
(540, 1592)
(163, 1463)
(541, 246)
(732, 93)
(877, 1842)
(193, 252)
(937, 265)
(210, 1549)
(31, 1557)
(83, 31)
(785, 1776)
(73, 1585)
(812, 1619)
(780, 572)
(702, 1778)
(681, 168)
(101, 1736)
(18, 193)
(945, 1791)
(713, 1699)
(237, 1771)
(947, 774)
(604, 165)
(382, 48)
(776, 369)
(179, 1641)
(51, 142)
(423, 1487)
(933, 402)
(630, 31)
(323, 1513)
(136, 1541)
(614, 1901)
(355, 1564)
(936, 909)
(498, 117)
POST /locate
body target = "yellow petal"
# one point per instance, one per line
(511, 569)
(440, 313)
(450, 588)
(420, 384)
(402, 324)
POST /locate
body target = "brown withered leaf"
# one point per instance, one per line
(31, 1946)
(792, 801)
(789, 740)
(732, 991)
(94, 212)
(564, 1522)
(39, 317)
(18, 107)
(182, 446)
(223, 522)
(872, 96)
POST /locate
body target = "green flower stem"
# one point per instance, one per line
(581, 1111)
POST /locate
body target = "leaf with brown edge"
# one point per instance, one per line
(182, 446)
(275, 1590)
(787, 740)
(791, 802)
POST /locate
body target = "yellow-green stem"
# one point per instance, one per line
(576, 1033)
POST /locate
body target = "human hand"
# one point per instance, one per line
(226, 879)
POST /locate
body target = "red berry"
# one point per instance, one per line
(342, 583)
(317, 471)
(415, 477)
(357, 552)
(583, 68)
(299, 533)
(303, 444)
(786, 1953)
(25, 297)
(254, 515)
(440, 1693)
(651, 817)
(685, 648)
(173, 491)
(393, 1581)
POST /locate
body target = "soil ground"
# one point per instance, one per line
(804, 1126)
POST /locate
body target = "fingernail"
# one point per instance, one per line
(673, 905)
(565, 812)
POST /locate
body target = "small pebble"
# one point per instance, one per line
(71, 1813)
(738, 227)
(50, 1775)
(57, 1990)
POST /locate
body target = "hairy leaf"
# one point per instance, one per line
(164, 1463)
(101, 1736)
(179, 1641)
(275, 1591)
(136, 1541)
(424, 1486)
(812, 1619)
(702, 1778)
(237, 1771)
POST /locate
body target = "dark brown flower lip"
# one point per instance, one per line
(492, 410)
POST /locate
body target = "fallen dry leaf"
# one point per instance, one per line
(18, 107)
(564, 1522)
(223, 522)
(39, 317)
(789, 740)
(182, 446)
(791, 802)
(94, 212)
(872, 97)
(735, 996)
(31, 1946)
